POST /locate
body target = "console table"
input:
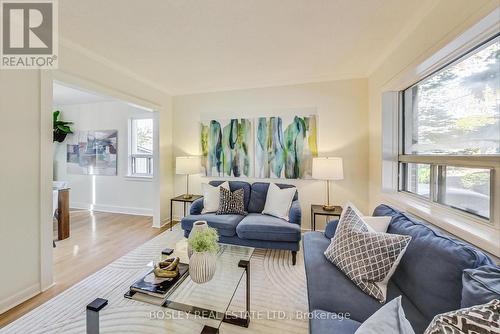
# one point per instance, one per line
(63, 214)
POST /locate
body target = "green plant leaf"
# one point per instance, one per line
(205, 240)
(55, 115)
(64, 129)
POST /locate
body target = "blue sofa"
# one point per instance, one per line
(429, 277)
(255, 229)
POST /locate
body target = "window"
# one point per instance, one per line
(141, 147)
(450, 133)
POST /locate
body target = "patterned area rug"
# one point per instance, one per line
(278, 298)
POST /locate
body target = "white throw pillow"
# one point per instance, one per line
(211, 196)
(279, 201)
(378, 224)
(389, 319)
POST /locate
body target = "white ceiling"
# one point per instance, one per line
(64, 95)
(186, 46)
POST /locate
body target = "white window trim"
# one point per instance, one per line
(139, 177)
(466, 226)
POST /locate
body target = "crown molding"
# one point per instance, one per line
(66, 43)
(270, 84)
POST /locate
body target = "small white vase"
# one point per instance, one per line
(202, 266)
(197, 225)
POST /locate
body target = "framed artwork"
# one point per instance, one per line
(92, 152)
(265, 147)
(227, 148)
(285, 146)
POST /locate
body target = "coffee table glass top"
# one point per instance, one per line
(215, 295)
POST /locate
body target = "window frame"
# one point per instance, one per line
(455, 222)
(491, 162)
(132, 156)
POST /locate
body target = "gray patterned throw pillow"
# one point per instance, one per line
(367, 257)
(480, 319)
(231, 202)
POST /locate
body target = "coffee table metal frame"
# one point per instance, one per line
(224, 317)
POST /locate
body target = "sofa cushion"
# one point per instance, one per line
(211, 196)
(231, 202)
(323, 322)
(389, 319)
(331, 228)
(279, 201)
(225, 224)
(235, 185)
(480, 285)
(430, 272)
(476, 319)
(263, 227)
(367, 257)
(259, 193)
(330, 290)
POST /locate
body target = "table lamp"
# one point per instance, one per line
(328, 168)
(187, 166)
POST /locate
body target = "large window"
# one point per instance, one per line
(141, 147)
(451, 133)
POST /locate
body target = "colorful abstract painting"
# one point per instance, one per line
(227, 148)
(92, 152)
(284, 147)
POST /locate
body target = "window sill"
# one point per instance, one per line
(139, 178)
(474, 231)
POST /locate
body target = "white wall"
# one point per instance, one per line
(26, 132)
(80, 67)
(112, 193)
(447, 20)
(19, 185)
(342, 131)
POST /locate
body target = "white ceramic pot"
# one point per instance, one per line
(197, 225)
(202, 266)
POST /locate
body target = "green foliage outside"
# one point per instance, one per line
(205, 240)
(475, 179)
(424, 175)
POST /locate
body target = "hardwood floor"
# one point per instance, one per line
(96, 240)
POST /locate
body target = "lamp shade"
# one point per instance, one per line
(328, 168)
(187, 165)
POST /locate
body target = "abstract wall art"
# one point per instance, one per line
(285, 146)
(227, 148)
(264, 147)
(92, 152)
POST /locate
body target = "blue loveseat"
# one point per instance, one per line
(255, 229)
(429, 277)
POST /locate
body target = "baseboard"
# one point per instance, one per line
(113, 209)
(19, 297)
(164, 222)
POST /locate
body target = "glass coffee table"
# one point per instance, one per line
(210, 301)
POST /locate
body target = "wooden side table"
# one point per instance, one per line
(318, 210)
(181, 199)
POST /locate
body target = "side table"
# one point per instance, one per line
(318, 210)
(181, 199)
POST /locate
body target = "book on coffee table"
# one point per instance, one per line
(157, 287)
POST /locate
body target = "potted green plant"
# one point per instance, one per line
(204, 246)
(60, 128)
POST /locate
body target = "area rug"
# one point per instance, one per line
(278, 298)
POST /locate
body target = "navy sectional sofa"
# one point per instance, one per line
(429, 277)
(255, 229)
